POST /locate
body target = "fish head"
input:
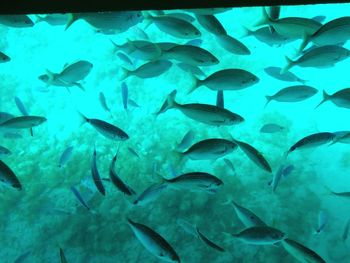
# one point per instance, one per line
(44, 78)
(39, 121)
(123, 136)
(251, 80)
(277, 236)
(5, 58)
(235, 119)
(137, 17)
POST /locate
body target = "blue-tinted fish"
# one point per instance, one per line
(148, 70)
(125, 58)
(62, 256)
(23, 122)
(271, 128)
(79, 197)
(194, 70)
(233, 45)
(260, 235)
(194, 42)
(65, 156)
(18, 21)
(211, 24)
(301, 252)
(125, 95)
(208, 242)
(103, 101)
(131, 102)
(288, 76)
(96, 175)
(150, 194)
(322, 221)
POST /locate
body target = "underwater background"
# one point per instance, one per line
(46, 214)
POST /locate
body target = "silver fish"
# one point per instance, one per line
(210, 149)
(182, 16)
(19, 21)
(125, 95)
(246, 216)
(150, 194)
(140, 49)
(195, 42)
(208, 242)
(288, 76)
(103, 101)
(271, 38)
(8, 177)
(282, 171)
(254, 155)
(312, 140)
(196, 181)
(149, 70)
(153, 242)
(211, 24)
(125, 58)
(186, 141)
(292, 94)
(340, 98)
(191, 55)
(301, 252)
(23, 122)
(233, 45)
(205, 113)
(65, 156)
(106, 129)
(96, 175)
(22, 109)
(76, 71)
(227, 79)
(4, 152)
(260, 235)
(271, 128)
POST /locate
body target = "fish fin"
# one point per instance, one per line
(51, 77)
(268, 99)
(125, 73)
(325, 98)
(290, 64)
(83, 119)
(31, 132)
(79, 86)
(71, 19)
(246, 32)
(304, 43)
(264, 20)
(38, 18)
(180, 158)
(171, 99)
(194, 86)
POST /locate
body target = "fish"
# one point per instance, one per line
(233, 45)
(108, 22)
(254, 155)
(301, 252)
(211, 24)
(341, 137)
(282, 171)
(17, 21)
(341, 98)
(333, 32)
(246, 216)
(53, 19)
(23, 110)
(52, 79)
(205, 113)
(292, 94)
(23, 122)
(319, 57)
(22, 258)
(230, 165)
(194, 70)
(96, 175)
(288, 76)
(140, 49)
(133, 152)
(290, 27)
(322, 221)
(271, 128)
(208, 242)
(192, 55)
(265, 35)
(165, 105)
(62, 256)
(187, 227)
(312, 140)
(117, 181)
(149, 70)
(260, 235)
(131, 102)
(195, 42)
(220, 99)
(175, 26)
(76, 71)
(227, 79)
(346, 230)
(195, 181)
(150, 194)
(65, 156)
(210, 149)
(108, 130)
(4, 58)
(79, 197)
(7, 176)
(103, 101)
(153, 242)
(4, 152)
(186, 141)
(4, 116)
(125, 95)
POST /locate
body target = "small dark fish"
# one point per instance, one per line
(4, 58)
(65, 156)
(209, 242)
(103, 101)
(62, 256)
(22, 258)
(125, 94)
(195, 42)
(7, 176)
(301, 252)
(133, 152)
(275, 72)
(117, 181)
(220, 99)
(131, 102)
(96, 175)
(271, 128)
(313, 140)
(322, 221)
(79, 197)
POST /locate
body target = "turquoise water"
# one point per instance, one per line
(46, 215)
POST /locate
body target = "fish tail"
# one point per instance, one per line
(325, 98)
(50, 76)
(171, 100)
(83, 119)
(264, 20)
(246, 32)
(71, 19)
(147, 16)
(290, 64)
(194, 86)
(268, 99)
(304, 43)
(125, 73)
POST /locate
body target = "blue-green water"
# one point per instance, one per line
(46, 215)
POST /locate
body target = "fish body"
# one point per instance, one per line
(79, 197)
(208, 242)
(340, 98)
(288, 76)
(292, 94)
(17, 21)
(186, 141)
(150, 194)
(4, 152)
(149, 70)
(233, 45)
(153, 242)
(322, 221)
(4, 58)
(65, 156)
(271, 38)
(8, 177)
(103, 101)
(194, 70)
(96, 175)
(246, 216)
(76, 71)
(211, 24)
(313, 140)
(260, 235)
(4, 116)
(140, 49)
